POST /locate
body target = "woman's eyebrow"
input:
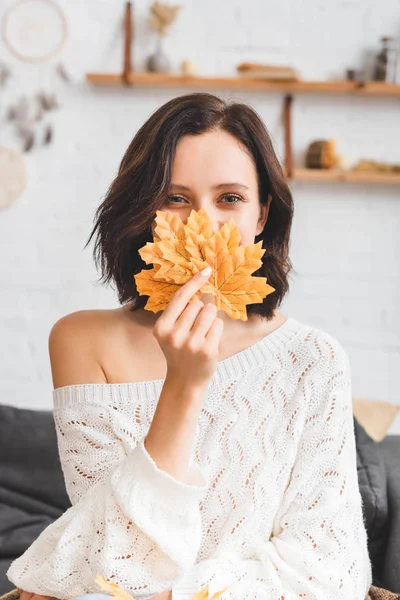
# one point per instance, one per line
(234, 184)
(215, 187)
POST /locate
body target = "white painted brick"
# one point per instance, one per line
(345, 239)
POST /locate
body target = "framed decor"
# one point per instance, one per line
(34, 31)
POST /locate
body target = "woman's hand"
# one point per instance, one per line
(189, 334)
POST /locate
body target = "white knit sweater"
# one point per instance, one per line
(272, 509)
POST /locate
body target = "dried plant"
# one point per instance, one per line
(162, 16)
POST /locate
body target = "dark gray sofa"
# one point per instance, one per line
(33, 494)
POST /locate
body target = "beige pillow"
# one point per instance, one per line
(376, 416)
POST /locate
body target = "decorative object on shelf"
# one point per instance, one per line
(188, 68)
(12, 176)
(28, 114)
(355, 75)
(272, 72)
(386, 61)
(372, 165)
(344, 162)
(158, 62)
(321, 154)
(161, 18)
(34, 30)
(351, 74)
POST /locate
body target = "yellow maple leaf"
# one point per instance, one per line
(170, 250)
(159, 291)
(204, 595)
(181, 250)
(112, 588)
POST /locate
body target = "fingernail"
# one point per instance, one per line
(205, 272)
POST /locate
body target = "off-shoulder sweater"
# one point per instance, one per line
(271, 508)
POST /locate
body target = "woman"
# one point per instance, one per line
(198, 449)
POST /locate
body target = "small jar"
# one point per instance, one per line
(386, 61)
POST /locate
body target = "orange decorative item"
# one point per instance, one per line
(203, 594)
(119, 593)
(179, 251)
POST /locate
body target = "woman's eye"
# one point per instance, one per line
(170, 198)
(236, 199)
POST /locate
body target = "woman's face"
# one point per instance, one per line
(211, 171)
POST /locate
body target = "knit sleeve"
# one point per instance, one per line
(88, 445)
(318, 547)
(136, 525)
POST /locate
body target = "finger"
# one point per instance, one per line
(187, 319)
(203, 323)
(214, 334)
(180, 299)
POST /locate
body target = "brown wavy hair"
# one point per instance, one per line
(123, 222)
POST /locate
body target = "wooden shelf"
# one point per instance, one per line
(370, 88)
(129, 78)
(347, 176)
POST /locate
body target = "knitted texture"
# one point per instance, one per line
(271, 507)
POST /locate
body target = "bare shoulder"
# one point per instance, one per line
(75, 342)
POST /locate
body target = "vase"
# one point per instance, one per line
(158, 62)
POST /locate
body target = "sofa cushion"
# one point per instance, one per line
(372, 482)
(30, 464)
(32, 488)
(390, 448)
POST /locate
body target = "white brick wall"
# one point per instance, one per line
(345, 242)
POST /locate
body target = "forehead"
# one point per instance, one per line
(213, 156)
